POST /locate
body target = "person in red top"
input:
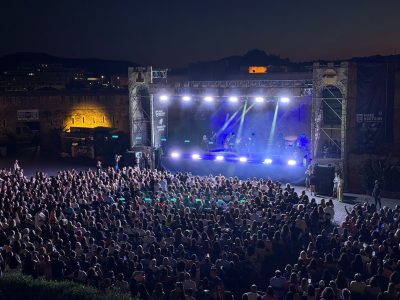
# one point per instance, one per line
(349, 225)
(53, 217)
(100, 198)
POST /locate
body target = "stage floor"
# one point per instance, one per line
(280, 172)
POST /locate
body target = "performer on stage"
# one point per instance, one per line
(313, 183)
(204, 143)
(335, 185)
(308, 176)
(340, 187)
(376, 193)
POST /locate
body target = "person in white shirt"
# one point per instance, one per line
(279, 284)
(252, 295)
(329, 212)
(16, 166)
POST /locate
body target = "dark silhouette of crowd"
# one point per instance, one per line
(158, 235)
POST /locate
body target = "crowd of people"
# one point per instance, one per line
(158, 235)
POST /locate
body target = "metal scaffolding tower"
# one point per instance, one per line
(140, 120)
(329, 113)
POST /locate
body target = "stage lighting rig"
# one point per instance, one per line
(233, 99)
(267, 161)
(285, 99)
(243, 159)
(164, 98)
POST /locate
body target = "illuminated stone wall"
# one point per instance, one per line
(66, 110)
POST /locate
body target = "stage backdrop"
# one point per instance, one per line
(160, 122)
(374, 109)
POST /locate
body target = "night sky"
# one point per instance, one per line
(174, 33)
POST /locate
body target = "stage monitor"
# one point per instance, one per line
(324, 180)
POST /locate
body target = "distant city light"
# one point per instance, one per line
(208, 98)
(196, 156)
(186, 98)
(243, 159)
(259, 99)
(219, 158)
(267, 161)
(233, 99)
(285, 99)
(164, 97)
(291, 162)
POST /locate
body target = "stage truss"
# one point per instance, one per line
(328, 80)
(325, 78)
(140, 121)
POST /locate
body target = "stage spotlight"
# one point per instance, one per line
(219, 158)
(259, 99)
(243, 159)
(196, 156)
(267, 161)
(175, 155)
(208, 98)
(164, 97)
(233, 99)
(186, 98)
(291, 162)
(285, 99)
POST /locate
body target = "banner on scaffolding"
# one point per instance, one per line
(160, 123)
(375, 98)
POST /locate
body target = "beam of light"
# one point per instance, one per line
(219, 158)
(291, 162)
(175, 155)
(259, 99)
(186, 98)
(243, 116)
(243, 159)
(196, 156)
(208, 99)
(273, 127)
(285, 99)
(239, 119)
(267, 161)
(164, 97)
(227, 122)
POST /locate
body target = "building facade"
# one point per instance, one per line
(25, 117)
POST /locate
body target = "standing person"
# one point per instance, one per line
(16, 166)
(204, 142)
(335, 185)
(340, 188)
(98, 165)
(376, 193)
(252, 295)
(313, 183)
(307, 180)
(117, 160)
